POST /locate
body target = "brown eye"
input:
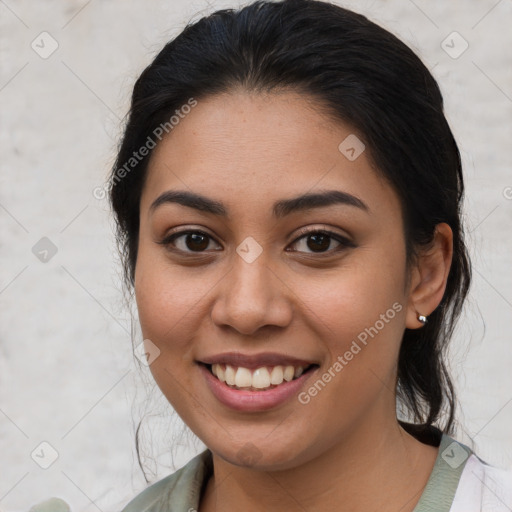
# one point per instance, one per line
(187, 241)
(316, 242)
(320, 241)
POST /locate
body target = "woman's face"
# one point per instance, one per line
(254, 287)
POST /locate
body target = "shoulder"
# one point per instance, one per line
(146, 499)
(483, 487)
(461, 481)
(180, 489)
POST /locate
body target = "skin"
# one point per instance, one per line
(247, 151)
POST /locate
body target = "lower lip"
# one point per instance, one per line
(253, 401)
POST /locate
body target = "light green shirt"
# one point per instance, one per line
(181, 491)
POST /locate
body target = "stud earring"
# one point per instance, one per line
(422, 319)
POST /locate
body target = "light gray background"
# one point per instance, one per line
(67, 373)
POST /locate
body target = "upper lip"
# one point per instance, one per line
(253, 361)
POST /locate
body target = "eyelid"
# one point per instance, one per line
(301, 232)
(186, 229)
(343, 241)
(324, 229)
(172, 235)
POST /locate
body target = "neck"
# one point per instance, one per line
(373, 468)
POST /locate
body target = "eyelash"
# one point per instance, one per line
(344, 242)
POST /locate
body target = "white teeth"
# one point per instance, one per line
(243, 378)
(230, 375)
(288, 373)
(260, 378)
(219, 372)
(276, 377)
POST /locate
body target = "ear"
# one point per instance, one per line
(429, 276)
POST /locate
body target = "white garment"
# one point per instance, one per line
(483, 488)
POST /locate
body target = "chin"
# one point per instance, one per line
(264, 456)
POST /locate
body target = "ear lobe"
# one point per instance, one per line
(430, 275)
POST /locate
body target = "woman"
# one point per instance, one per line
(288, 200)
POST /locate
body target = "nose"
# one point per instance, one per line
(252, 296)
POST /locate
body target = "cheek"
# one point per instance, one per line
(167, 300)
(166, 303)
(359, 310)
(355, 293)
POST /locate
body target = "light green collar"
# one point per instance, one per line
(445, 476)
(181, 491)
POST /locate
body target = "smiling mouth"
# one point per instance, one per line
(260, 379)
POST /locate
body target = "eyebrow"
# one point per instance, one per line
(280, 209)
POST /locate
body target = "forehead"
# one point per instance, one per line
(250, 150)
